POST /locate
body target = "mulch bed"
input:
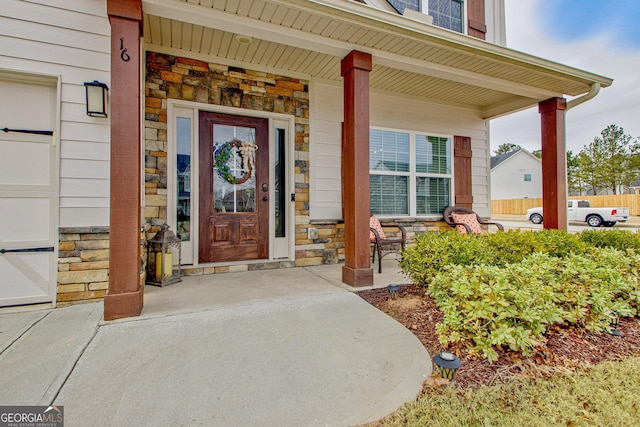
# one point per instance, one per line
(564, 348)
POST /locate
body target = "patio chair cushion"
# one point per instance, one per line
(470, 219)
(375, 224)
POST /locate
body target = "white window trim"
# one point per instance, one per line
(178, 108)
(424, 8)
(412, 174)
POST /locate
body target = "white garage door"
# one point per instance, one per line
(28, 190)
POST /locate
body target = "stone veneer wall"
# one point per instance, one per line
(83, 264)
(171, 77)
(328, 246)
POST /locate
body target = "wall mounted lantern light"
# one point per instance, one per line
(96, 94)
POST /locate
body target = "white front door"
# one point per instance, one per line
(28, 190)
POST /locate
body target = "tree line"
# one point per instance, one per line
(610, 162)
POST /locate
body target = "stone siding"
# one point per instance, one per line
(83, 264)
(171, 77)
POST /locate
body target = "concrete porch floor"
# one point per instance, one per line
(287, 347)
(208, 292)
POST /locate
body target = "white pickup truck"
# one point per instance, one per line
(581, 211)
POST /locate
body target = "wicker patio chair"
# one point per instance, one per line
(381, 243)
(466, 221)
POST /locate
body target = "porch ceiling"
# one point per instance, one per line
(310, 37)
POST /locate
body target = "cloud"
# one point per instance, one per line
(598, 51)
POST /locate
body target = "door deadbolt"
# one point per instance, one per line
(265, 187)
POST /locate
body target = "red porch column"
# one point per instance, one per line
(124, 298)
(554, 163)
(355, 174)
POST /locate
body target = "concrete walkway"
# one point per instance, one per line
(269, 348)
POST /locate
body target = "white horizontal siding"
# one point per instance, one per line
(389, 112)
(82, 187)
(83, 150)
(507, 179)
(70, 39)
(72, 168)
(83, 217)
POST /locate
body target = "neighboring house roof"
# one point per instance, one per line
(636, 183)
(183, 162)
(498, 160)
(412, 58)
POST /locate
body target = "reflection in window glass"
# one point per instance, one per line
(183, 178)
(404, 184)
(401, 5)
(432, 195)
(389, 151)
(279, 184)
(433, 154)
(447, 14)
(388, 195)
(234, 160)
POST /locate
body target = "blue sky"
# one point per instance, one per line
(571, 20)
(599, 36)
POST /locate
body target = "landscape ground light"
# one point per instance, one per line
(393, 290)
(447, 364)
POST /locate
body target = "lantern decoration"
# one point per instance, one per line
(447, 364)
(96, 98)
(160, 270)
(393, 290)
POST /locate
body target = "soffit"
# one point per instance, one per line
(310, 37)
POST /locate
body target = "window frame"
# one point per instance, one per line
(412, 174)
(424, 8)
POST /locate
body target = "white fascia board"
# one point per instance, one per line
(454, 39)
(531, 155)
(239, 25)
(379, 20)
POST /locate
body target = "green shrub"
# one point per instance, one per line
(619, 239)
(489, 308)
(433, 252)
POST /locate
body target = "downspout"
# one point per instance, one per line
(595, 89)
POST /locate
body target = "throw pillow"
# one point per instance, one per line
(375, 224)
(470, 219)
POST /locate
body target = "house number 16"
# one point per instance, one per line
(123, 51)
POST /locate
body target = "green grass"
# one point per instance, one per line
(606, 395)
